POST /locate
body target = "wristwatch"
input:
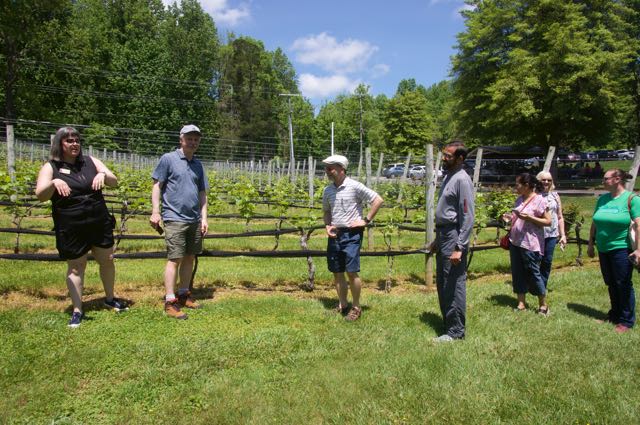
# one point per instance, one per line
(457, 248)
(366, 220)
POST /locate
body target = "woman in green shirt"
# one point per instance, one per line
(612, 217)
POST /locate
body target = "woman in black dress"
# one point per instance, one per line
(74, 182)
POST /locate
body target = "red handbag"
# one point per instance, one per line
(504, 241)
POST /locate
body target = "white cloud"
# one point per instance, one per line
(319, 87)
(221, 12)
(326, 52)
(458, 15)
(433, 2)
(379, 70)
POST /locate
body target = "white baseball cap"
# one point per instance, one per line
(190, 129)
(337, 159)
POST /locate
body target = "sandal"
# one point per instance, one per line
(544, 311)
(354, 314)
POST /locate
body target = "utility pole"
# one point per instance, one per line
(361, 135)
(292, 161)
(331, 137)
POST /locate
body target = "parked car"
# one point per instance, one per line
(419, 172)
(568, 156)
(606, 154)
(386, 171)
(488, 170)
(588, 156)
(625, 154)
(535, 161)
(394, 171)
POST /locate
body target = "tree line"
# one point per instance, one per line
(530, 73)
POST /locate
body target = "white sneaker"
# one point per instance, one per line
(443, 338)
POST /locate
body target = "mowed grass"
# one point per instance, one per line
(263, 351)
(256, 357)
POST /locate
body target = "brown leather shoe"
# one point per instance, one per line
(172, 309)
(186, 301)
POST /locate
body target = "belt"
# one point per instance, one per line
(440, 226)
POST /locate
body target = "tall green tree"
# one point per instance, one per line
(351, 114)
(539, 72)
(27, 31)
(407, 123)
(440, 102)
(628, 124)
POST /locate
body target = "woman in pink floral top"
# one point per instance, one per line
(528, 219)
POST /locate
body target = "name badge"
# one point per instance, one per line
(65, 171)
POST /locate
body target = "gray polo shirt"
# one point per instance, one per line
(345, 201)
(183, 180)
(456, 205)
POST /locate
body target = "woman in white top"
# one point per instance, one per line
(554, 233)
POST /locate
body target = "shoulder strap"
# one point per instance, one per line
(631, 195)
(523, 208)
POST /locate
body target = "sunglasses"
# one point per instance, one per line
(72, 141)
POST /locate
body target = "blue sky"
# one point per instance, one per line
(335, 45)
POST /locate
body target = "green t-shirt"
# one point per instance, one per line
(612, 220)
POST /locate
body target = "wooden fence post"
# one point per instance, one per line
(430, 191)
(379, 170)
(549, 160)
(476, 171)
(11, 157)
(311, 175)
(404, 175)
(634, 170)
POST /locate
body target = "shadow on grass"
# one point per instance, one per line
(498, 268)
(585, 310)
(332, 303)
(414, 279)
(203, 292)
(97, 304)
(433, 320)
(382, 284)
(504, 300)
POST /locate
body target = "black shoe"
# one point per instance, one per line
(75, 320)
(116, 305)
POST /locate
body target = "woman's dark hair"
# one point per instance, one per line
(56, 145)
(624, 176)
(530, 181)
(461, 150)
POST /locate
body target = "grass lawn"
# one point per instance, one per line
(279, 355)
(262, 351)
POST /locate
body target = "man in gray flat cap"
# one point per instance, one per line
(344, 222)
(180, 186)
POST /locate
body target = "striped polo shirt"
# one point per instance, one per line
(345, 201)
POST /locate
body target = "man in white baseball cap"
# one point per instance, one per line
(345, 222)
(190, 128)
(180, 187)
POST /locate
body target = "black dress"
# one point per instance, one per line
(81, 220)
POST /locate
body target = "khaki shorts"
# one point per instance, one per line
(182, 239)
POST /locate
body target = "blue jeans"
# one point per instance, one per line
(617, 272)
(525, 271)
(547, 258)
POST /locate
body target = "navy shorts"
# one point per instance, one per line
(343, 251)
